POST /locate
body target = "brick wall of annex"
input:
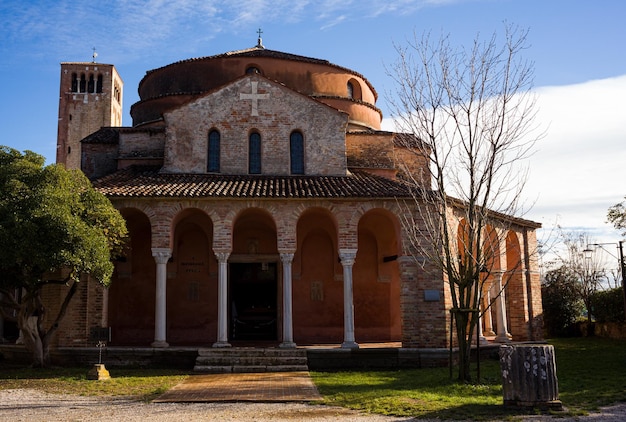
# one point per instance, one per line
(87, 309)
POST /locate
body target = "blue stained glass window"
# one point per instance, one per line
(213, 162)
(254, 152)
(296, 149)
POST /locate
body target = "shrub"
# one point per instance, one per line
(608, 305)
(561, 303)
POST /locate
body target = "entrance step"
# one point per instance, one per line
(250, 359)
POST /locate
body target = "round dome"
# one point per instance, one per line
(170, 86)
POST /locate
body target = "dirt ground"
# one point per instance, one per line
(29, 405)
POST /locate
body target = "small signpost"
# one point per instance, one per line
(101, 335)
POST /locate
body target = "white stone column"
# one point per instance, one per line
(482, 340)
(161, 256)
(487, 316)
(222, 300)
(347, 261)
(288, 343)
(503, 332)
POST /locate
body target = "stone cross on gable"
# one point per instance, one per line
(255, 97)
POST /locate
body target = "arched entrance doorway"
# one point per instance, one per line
(253, 293)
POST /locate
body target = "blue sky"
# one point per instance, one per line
(577, 47)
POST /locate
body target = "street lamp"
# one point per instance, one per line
(622, 264)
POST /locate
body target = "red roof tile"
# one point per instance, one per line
(147, 182)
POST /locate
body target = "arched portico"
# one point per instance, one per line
(131, 296)
(376, 278)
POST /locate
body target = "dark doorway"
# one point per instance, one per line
(253, 292)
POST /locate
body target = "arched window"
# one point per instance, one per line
(254, 153)
(83, 83)
(213, 159)
(74, 82)
(296, 152)
(91, 85)
(99, 84)
(353, 88)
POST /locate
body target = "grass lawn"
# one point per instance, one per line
(142, 384)
(591, 373)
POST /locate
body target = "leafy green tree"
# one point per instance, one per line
(562, 304)
(54, 229)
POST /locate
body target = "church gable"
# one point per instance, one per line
(255, 126)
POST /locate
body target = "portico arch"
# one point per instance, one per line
(132, 291)
(516, 297)
(376, 278)
(192, 280)
(317, 286)
(254, 291)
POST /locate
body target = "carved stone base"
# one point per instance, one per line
(529, 376)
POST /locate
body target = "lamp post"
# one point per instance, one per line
(622, 264)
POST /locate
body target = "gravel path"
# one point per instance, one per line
(30, 405)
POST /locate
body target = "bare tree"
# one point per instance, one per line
(467, 114)
(589, 267)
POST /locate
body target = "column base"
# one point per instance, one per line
(482, 340)
(160, 344)
(349, 345)
(287, 345)
(502, 339)
(221, 344)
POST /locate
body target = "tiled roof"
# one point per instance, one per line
(147, 182)
(105, 135)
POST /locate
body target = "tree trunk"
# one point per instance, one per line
(33, 342)
(464, 345)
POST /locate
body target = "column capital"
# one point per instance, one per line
(286, 258)
(347, 256)
(222, 256)
(161, 255)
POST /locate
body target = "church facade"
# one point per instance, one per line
(262, 202)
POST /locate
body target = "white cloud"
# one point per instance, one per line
(578, 170)
(140, 26)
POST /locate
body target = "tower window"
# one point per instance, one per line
(350, 90)
(83, 83)
(74, 82)
(254, 153)
(296, 152)
(252, 69)
(99, 84)
(213, 159)
(91, 84)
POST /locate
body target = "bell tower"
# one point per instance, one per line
(90, 98)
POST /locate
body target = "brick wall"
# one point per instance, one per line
(283, 112)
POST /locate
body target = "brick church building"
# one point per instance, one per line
(261, 198)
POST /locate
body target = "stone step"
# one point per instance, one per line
(225, 369)
(238, 351)
(249, 359)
